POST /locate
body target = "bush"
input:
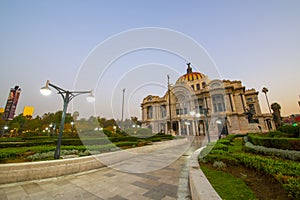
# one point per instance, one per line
(280, 143)
(293, 186)
(126, 144)
(279, 134)
(286, 154)
(219, 165)
(294, 131)
(220, 146)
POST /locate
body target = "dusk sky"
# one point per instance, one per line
(257, 42)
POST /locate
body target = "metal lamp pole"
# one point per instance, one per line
(122, 109)
(205, 110)
(170, 111)
(67, 96)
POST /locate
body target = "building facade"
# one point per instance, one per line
(195, 105)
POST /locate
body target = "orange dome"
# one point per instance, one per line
(193, 76)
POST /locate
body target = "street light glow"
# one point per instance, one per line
(90, 98)
(46, 91)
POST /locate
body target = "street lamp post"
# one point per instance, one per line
(72, 128)
(122, 109)
(205, 112)
(170, 110)
(4, 129)
(67, 96)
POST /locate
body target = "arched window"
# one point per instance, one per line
(150, 112)
(163, 111)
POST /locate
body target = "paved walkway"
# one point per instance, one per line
(170, 182)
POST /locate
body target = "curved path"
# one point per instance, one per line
(170, 182)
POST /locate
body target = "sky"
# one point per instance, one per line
(256, 42)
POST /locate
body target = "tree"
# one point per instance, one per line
(276, 114)
(75, 115)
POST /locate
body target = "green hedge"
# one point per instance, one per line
(286, 154)
(293, 131)
(279, 143)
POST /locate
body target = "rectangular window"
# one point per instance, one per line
(250, 99)
(218, 103)
(252, 108)
(150, 112)
(185, 111)
(163, 111)
(198, 86)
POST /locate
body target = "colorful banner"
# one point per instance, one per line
(28, 111)
(11, 104)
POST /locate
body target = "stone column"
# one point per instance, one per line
(179, 127)
(193, 128)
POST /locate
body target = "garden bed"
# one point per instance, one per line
(230, 154)
(262, 186)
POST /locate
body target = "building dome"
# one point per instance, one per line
(190, 76)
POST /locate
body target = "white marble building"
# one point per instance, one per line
(199, 105)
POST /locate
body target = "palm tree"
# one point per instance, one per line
(265, 90)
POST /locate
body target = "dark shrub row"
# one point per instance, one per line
(293, 131)
(279, 143)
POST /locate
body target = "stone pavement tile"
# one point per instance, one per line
(143, 185)
(62, 182)
(32, 188)
(3, 194)
(109, 174)
(80, 182)
(168, 189)
(15, 192)
(117, 197)
(86, 196)
(135, 190)
(102, 191)
(170, 168)
(42, 195)
(169, 198)
(12, 196)
(154, 195)
(153, 183)
(54, 192)
(147, 176)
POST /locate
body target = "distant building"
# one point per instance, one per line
(291, 119)
(199, 105)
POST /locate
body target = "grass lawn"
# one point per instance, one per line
(228, 186)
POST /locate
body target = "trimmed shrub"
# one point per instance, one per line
(294, 131)
(286, 154)
(220, 146)
(280, 143)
